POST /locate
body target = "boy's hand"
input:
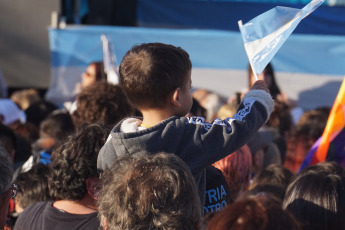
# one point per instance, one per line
(260, 84)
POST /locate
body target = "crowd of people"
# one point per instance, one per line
(151, 153)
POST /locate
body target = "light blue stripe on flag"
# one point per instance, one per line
(266, 33)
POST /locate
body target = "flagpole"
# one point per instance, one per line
(254, 72)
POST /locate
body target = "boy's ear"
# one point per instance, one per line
(175, 99)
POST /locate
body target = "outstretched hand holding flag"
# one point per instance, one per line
(266, 33)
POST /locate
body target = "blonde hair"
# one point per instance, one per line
(26, 97)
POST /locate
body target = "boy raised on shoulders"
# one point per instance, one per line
(157, 80)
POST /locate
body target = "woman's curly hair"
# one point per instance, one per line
(75, 161)
(102, 102)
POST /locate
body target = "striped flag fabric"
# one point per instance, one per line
(331, 145)
(266, 33)
(109, 60)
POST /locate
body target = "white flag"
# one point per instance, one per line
(266, 33)
(109, 61)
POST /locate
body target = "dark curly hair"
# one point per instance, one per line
(75, 161)
(102, 102)
(149, 192)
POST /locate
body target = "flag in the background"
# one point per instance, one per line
(266, 33)
(331, 145)
(109, 60)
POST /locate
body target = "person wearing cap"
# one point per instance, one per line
(10, 113)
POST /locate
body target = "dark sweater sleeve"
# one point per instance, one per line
(223, 137)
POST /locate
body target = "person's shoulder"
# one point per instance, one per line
(31, 215)
(40, 206)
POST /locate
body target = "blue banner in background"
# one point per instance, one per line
(77, 46)
(223, 15)
(309, 64)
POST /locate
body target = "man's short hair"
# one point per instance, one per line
(6, 170)
(150, 72)
(33, 185)
(74, 162)
(149, 192)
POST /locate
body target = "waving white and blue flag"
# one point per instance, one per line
(109, 60)
(266, 33)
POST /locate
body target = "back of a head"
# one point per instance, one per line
(26, 97)
(309, 128)
(311, 124)
(317, 197)
(212, 103)
(38, 111)
(150, 72)
(101, 102)
(57, 126)
(274, 174)
(75, 161)
(197, 110)
(32, 185)
(263, 212)
(227, 110)
(149, 192)
(313, 116)
(273, 189)
(281, 118)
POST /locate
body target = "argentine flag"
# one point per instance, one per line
(266, 33)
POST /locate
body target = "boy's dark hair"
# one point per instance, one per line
(316, 196)
(101, 102)
(149, 192)
(74, 162)
(33, 185)
(150, 72)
